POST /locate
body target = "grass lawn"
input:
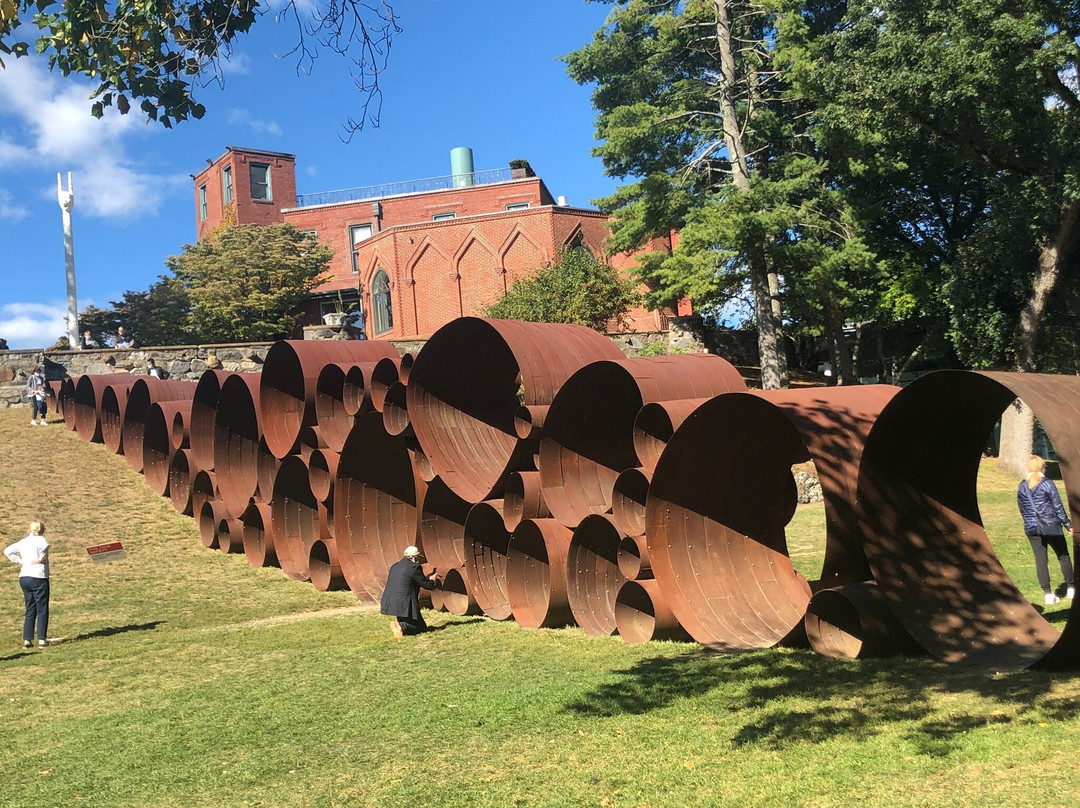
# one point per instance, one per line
(185, 678)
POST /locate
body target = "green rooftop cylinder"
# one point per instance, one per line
(461, 166)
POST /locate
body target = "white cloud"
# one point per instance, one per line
(32, 325)
(54, 129)
(9, 210)
(241, 117)
(235, 64)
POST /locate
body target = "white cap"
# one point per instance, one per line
(412, 551)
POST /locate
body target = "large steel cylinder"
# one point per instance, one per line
(356, 389)
(628, 498)
(67, 401)
(536, 574)
(258, 535)
(210, 516)
(180, 478)
(395, 410)
(289, 377)
(654, 425)
(924, 536)
(593, 575)
(295, 517)
(442, 526)
(237, 431)
(164, 434)
(203, 488)
(384, 375)
(230, 535)
(486, 544)
(633, 558)
(144, 392)
(266, 470)
(589, 429)
(87, 402)
(322, 470)
(855, 622)
(331, 414)
(642, 614)
(375, 500)
(468, 382)
(325, 571)
(203, 411)
(113, 403)
(524, 499)
(455, 595)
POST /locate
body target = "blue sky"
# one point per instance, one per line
(479, 73)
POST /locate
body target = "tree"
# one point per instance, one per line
(154, 54)
(159, 316)
(242, 283)
(575, 288)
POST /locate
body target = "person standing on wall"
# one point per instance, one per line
(1044, 516)
(31, 553)
(401, 598)
(36, 390)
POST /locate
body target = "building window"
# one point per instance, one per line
(202, 203)
(313, 234)
(226, 184)
(358, 233)
(517, 206)
(260, 182)
(380, 303)
(439, 217)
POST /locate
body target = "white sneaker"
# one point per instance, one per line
(44, 422)
(1050, 599)
(33, 422)
(1070, 593)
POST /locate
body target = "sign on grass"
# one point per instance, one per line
(110, 551)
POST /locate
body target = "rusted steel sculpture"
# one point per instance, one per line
(210, 516)
(589, 429)
(180, 477)
(66, 401)
(628, 498)
(924, 536)
(203, 410)
(384, 375)
(468, 382)
(236, 441)
(325, 571)
(375, 499)
(203, 488)
(356, 389)
(295, 514)
(113, 403)
(230, 535)
(593, 574)
(421, 466)
(486, 544)
(289, 377)
(536, 574)
(146, 391)
(86, 402)
(405, 369)
(442, 526)
(165, 434)
(454, 594)
(855, 622)
(642, 614)
(395, 410)
(266, 470)
(633, 558)
(258, 538)
(331, 414)
(523, 499)
(322, 470)
(654, 425)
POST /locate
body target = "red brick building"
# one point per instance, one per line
(414, 255)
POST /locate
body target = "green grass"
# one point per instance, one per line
(185, 678)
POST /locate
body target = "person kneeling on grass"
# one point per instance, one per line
(401, 598)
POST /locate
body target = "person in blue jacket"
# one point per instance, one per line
(401, 598)
(1044, 516)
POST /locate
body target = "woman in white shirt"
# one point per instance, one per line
(31, 553)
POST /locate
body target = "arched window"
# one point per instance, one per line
(381, 306)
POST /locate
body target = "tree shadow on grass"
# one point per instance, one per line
(782, 698)
(109, 631)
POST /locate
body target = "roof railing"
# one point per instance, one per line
(408, 187)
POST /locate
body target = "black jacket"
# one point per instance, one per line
(401, 598)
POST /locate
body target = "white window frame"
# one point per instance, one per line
(442, 217)
(227, 184)
(354, 231)
(382, 304)
(269, 185)
(517, 206)
(202, 202)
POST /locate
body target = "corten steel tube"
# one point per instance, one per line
(309, 439)
(163, 436)
(405, 369)
(203, 411)
(384, 375)
(486, 543)
(113, 402)
(203, 487)
(628, 498)
(719, 500)
(330, 412)
(180, 476)
(455, 595)
(295, 514)
(375, 498)
(529, 421)
(52, 389)
(642, 614)
(236, 441)
(421, 466)
(463, 394)
(230, 535)
(67, 401)
(437, 603)
(290, 374)
(356, 389)
(395, 410)
(855, 622)
(210, 516)
(593, 576)
(322, 469)
(326, 517)
(266, 470)
(633, 558)
(924, 536)
(588, 434)
(325, 571)
(146, 391)
(87, 402)
(654, 425)
(442, 525)
(523, 499)
(258, 536)
(536, 574)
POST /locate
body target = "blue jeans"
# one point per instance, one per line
(36, 595)
(40, 407)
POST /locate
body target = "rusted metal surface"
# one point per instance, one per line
(266, 470)
(295, 517)
(355, 390)
(523, 499)
(180, 476)
(236, 441)
(322, 469)
(720, 497)
(395, 410)
(633, 558)
(384, 375)
(113, 403)
(66, 401)
(468, 382)
(855, 622)
(588, 433)
(144, 392)
(86, 403)
(230, 535)
(325, 571)
(203, 488)
(405, 368)
(593, 576)
(332, 416)
(289, 377)
(454, 593)
(642, 614)
(628, 498)
(165, 433)
(536, 574)
(375, 505)
(442, 525)
(258, 535)
(924, 536)
(486, 544)
(654, 425)
(210, 515)
(421, 466)
(203, 411)
(529, 422)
